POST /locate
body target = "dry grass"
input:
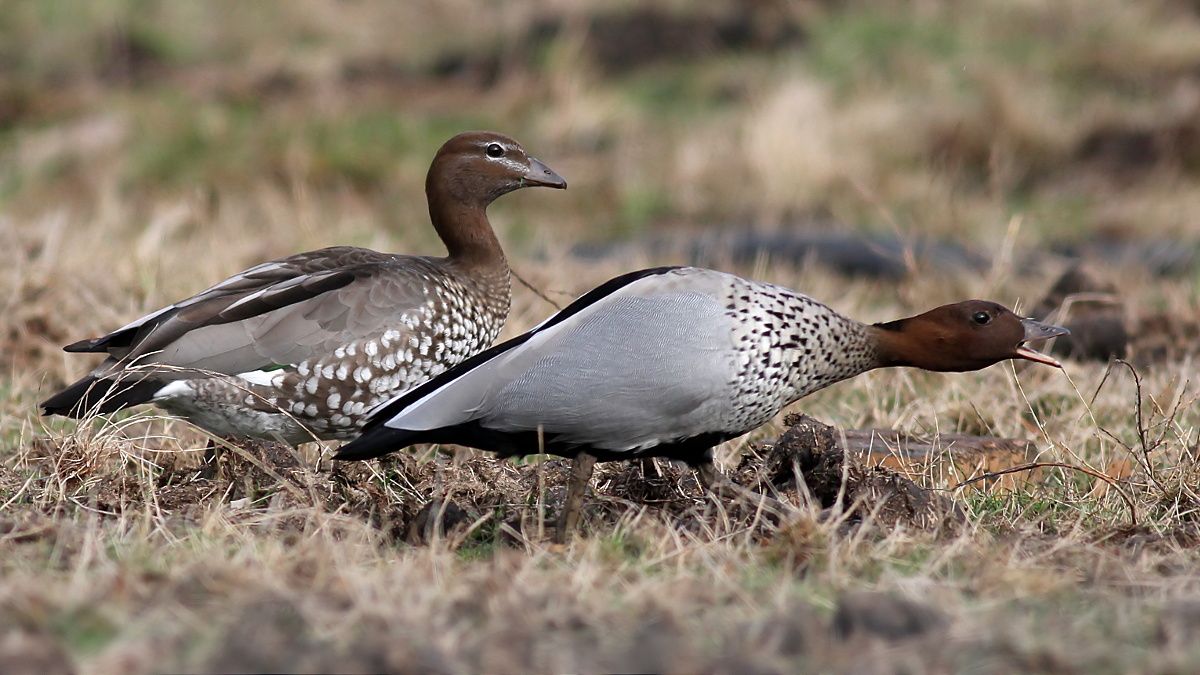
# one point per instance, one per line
(146, 151)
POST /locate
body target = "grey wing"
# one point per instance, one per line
(280, 313)
(633, 370)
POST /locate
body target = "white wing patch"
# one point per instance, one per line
(178, 388)
(265, 378)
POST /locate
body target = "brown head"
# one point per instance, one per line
(468, 173)
(962, 336)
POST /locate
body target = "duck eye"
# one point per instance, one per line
(981, 318)
(495, 150)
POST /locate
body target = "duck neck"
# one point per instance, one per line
(854, 351)
(839, 349)
(897, 346)
(463, 227)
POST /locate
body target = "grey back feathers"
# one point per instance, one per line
(281, 312)
(316, 338)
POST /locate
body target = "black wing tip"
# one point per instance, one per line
(70, 402)
(91, 395)
(46, 409)
(376, 442)
(85, 346)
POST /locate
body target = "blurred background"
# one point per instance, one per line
(149, 148)
(881, 156)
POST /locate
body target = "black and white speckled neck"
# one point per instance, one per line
(788, 346)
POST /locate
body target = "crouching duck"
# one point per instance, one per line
(670, 362)
(298, 348)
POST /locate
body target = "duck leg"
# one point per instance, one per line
(710, 478)
(208, 466)
(581, 475)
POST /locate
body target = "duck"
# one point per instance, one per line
(297, 349)
(670, 362)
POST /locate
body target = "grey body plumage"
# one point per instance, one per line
(671, 362)
(678, 354)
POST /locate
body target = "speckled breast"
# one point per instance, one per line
(330, 395)
(788, 346)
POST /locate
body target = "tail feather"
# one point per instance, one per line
(93, 395)
(377, 442)
(88, 345)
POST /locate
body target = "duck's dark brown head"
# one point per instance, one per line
(468, 173)
(476, 167)
(962, 336)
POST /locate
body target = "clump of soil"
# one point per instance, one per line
(809, 457)
(32, 651)
(870, 613)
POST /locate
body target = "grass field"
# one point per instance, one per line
(148, 149)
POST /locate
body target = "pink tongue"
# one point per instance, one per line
(1027, 353)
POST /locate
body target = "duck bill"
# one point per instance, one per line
(1036, 330)
(542, 175)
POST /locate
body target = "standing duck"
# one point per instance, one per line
(298, 348)
(670, 362)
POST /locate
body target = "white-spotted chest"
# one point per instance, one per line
(330, 394)
(788, 346)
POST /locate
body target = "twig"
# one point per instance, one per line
(1141, 425)
(537, 291)
(462, 537)
(1144, 458)
(1133, 516)
(1103, 380)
